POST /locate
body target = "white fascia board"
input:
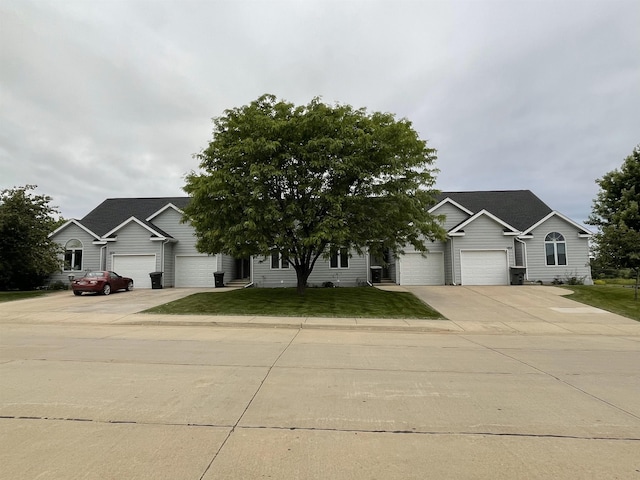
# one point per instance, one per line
(168, 205)
(478, 215)
(455, 204)
(456, 234)
(587, 233)
(134, 219)
(75, 222)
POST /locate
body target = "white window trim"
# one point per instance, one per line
(339, 262)
(73, 254)
(555, 250)
(280, 260)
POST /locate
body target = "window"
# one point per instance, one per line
(278, 260)
(555, 249)
(73, 255)
(339, 258)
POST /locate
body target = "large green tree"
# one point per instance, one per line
(27, 255)
(303, 180)
(616, 213)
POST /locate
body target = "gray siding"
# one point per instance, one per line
(481, 234)
(90, 252)
(454, 216)
(185, 236)
(356, 274)
(577, 253)
(184, 233)
(169, 268)
(134, 240)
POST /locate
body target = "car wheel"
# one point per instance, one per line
(106, 290)
(129, 286)
(76, 293)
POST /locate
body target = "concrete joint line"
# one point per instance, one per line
(595, 397)
(233, 428)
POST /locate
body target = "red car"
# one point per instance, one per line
(101, 282)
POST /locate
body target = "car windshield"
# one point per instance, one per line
(94, 274)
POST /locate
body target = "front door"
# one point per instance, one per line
(243, 268)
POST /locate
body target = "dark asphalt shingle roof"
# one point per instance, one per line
(113, 211)
(519, 208)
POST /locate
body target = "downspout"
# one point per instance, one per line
(368, 267)
(453, 263)
(162, 259)
(103, 258)
(524, 257)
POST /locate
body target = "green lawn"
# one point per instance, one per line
(613, 298)
(362, 302)
(10, 296)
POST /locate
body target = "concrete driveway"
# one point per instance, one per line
(491, 309)
(520, 309)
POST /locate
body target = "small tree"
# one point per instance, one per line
(300, 180)
(616, 211)
(27, 255)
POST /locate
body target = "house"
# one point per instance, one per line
(492, 237)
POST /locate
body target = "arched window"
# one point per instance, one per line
(73, 255)
(555, 249)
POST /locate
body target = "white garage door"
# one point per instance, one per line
(484, 267)
(418, 270)
(196, 270)
(137, 267)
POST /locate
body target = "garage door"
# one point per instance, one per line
(484, 267)
(418, 270)
(137, 267)
(196, 270)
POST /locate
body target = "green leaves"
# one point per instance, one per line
(298, 178)
(26, 253)
(616, 212)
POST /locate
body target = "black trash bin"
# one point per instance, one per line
(376, 274)
(156, 280)
(517, 275)
(219, 279)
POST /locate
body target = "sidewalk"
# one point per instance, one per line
(532, 310)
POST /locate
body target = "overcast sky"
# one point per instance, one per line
(108, 98)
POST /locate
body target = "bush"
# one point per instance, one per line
(59, 285)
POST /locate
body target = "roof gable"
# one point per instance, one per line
(155, 231)
(75, 222)
(448, 201)
(114, 211)
(507, 229)
(518, 208)
(164, 209)
(581, 230)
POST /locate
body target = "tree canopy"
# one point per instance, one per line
(616, 212)
(301, 180)
(27, 255)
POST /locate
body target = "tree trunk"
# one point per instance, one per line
(302, 274)
(635, 296)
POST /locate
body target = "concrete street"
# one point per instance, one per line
(519, 382)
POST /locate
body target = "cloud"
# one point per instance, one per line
(111, 99)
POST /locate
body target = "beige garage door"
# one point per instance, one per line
(418, 270)
(484, 267)
(137, 267)
(195, 270)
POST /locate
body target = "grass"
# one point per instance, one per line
(11, 296)
(613, 298)
(361, 302)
